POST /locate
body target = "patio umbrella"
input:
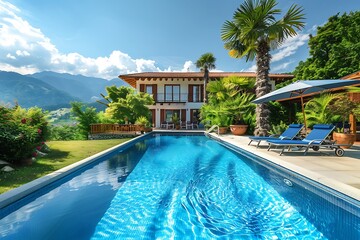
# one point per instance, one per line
(304, 88)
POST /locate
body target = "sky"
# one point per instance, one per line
(106, 38)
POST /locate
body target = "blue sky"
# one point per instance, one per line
(105, 38)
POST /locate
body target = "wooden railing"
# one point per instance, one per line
(114, 128)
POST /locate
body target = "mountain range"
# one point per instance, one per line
(51, 90)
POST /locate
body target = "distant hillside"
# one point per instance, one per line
(88, 89)
(50, 90)
(28, 91)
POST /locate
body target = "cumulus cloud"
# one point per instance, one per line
(189, 66)
(25, 49)
(290, 46)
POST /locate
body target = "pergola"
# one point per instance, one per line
(353, 97)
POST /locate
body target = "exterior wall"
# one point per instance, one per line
(183, 105)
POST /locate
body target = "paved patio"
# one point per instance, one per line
(339, 173)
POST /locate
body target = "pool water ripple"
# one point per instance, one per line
(202, 194)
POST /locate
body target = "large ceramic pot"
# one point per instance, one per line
(238, 129)
(347, 139)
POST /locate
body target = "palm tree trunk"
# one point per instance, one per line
(206, 79)
(263, 87)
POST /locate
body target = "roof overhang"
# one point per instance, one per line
(196, 76)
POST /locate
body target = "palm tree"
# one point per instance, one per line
(253, 32)
(205, 63)
(317, 110)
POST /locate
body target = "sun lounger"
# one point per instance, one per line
(316, 139)
(290, 133)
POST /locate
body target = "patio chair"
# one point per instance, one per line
(183, 124)
(170, 125)
(316, 139)
(290, 133)
(164, 125)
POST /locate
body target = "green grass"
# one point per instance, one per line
(63, 153)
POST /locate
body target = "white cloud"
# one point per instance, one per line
(290, 46)
(314, 28)
(25, 49)
(250, 69)
(188, 67)
(22, 53)
(10, 56)
(282, 66)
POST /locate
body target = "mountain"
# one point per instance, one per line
(88, 89)
(51, 90)
(28, 91)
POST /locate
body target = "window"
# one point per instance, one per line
(172, 93)
(195, 93)
(149, 89)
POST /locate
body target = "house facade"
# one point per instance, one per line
(181, 93)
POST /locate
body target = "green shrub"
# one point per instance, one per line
(278, 129)
(65, 133)
(22, 133)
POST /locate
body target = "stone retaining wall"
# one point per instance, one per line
(113, 136)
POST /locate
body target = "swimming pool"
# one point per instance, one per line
(181, 187)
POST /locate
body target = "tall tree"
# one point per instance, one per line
(85, 117)
(334, 50)
(205, 63)
(253, 32)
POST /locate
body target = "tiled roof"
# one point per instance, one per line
(132, 78)
(354, 76)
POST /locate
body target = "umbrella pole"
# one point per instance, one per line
(303, 111)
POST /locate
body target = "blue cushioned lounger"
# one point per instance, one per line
(291, 132)
(316, 139)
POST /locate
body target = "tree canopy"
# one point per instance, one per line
(334, 51)
(206, 61)
(125, 104)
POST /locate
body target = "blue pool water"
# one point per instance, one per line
(180, 187)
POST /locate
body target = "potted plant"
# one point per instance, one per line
(145, 125)
(223, 121)
(242, 109)
(176, 121)
(343, 107)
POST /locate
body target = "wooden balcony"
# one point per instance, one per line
(107, 128)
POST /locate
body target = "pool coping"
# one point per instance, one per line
(18, 193)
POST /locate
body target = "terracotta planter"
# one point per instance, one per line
(147, 129)
(223, 130)
(238, 129)
(344, 138)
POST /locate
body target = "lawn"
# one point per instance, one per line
(63, 153)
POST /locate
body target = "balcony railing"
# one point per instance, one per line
(174, 98)
(115, 128)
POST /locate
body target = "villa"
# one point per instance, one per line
(181, 92)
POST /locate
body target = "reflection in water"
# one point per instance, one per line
(79, 200)
(126, 161)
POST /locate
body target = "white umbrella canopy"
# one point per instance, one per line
(304, 88)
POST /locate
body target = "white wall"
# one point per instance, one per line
(184, 88)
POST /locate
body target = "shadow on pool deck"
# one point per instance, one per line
(339, 173)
